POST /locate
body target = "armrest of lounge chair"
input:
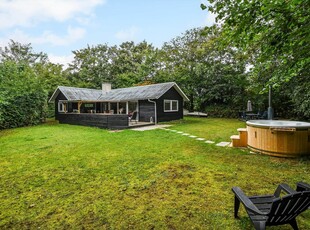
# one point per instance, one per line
(302, 186)
(248, 204)
(283, 187)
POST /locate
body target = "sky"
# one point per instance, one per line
(58, 27)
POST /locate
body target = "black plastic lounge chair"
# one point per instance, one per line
(272, 210)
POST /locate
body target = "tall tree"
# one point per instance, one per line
(50, 76)
(32, 73)
(276, 34)
(208, 75)
(124, 65)
(133, 63)
(91, 66)
(279, 32)
(22, 54)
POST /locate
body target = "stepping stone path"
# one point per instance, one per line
(145, 128)
(221, 144)
(209, 142)
(200, 139)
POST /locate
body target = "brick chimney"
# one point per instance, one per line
(106, 87)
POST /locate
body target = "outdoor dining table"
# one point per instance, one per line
(251, 116)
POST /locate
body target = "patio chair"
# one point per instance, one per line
(270, 210)
(134, 117)
(242, 116)
(263, 115)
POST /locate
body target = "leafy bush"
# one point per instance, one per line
(22, 97)
(222, 111)
(50, 110)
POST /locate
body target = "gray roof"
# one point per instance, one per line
(154, 91)
(77, 94)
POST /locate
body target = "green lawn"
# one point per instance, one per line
(71, 177)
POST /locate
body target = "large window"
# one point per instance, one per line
(171, 105)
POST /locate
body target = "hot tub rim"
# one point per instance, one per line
(253, 123)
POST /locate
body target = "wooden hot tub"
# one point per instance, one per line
(279, 138)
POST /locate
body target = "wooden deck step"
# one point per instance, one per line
(235, 137)
(242, 130)
(235, 140)
(240, 140)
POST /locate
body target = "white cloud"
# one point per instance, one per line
(30, 12)
(73, 34)
(47, 37)
(63, 60)
(127, 34)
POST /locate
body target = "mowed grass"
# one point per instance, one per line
(71, 177)
(214, 129)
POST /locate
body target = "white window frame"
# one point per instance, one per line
(61, 107)
(170, 102)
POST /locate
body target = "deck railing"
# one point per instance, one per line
(107, 121)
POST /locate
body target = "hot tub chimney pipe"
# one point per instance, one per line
(270, 109)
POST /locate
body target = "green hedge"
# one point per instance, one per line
(22, 97)
(222, 111)
(22, 110)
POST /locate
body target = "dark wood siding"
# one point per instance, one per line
(59, 97)
(96, 120)
(146, 111)
(171, 94)
(87, 119)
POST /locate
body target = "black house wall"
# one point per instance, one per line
(147, 109)
(58, 98)
(171, 94)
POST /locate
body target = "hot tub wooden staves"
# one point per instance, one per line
(279, 140)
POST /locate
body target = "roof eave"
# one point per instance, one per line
(178, 89)
(185, 98)
(54, 95)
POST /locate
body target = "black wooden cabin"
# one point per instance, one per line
(110, 108)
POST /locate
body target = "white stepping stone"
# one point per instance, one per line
(192, 136)
(200, 139)
(209, 142)
(185, 134)
(180, 132)
(223, 144)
